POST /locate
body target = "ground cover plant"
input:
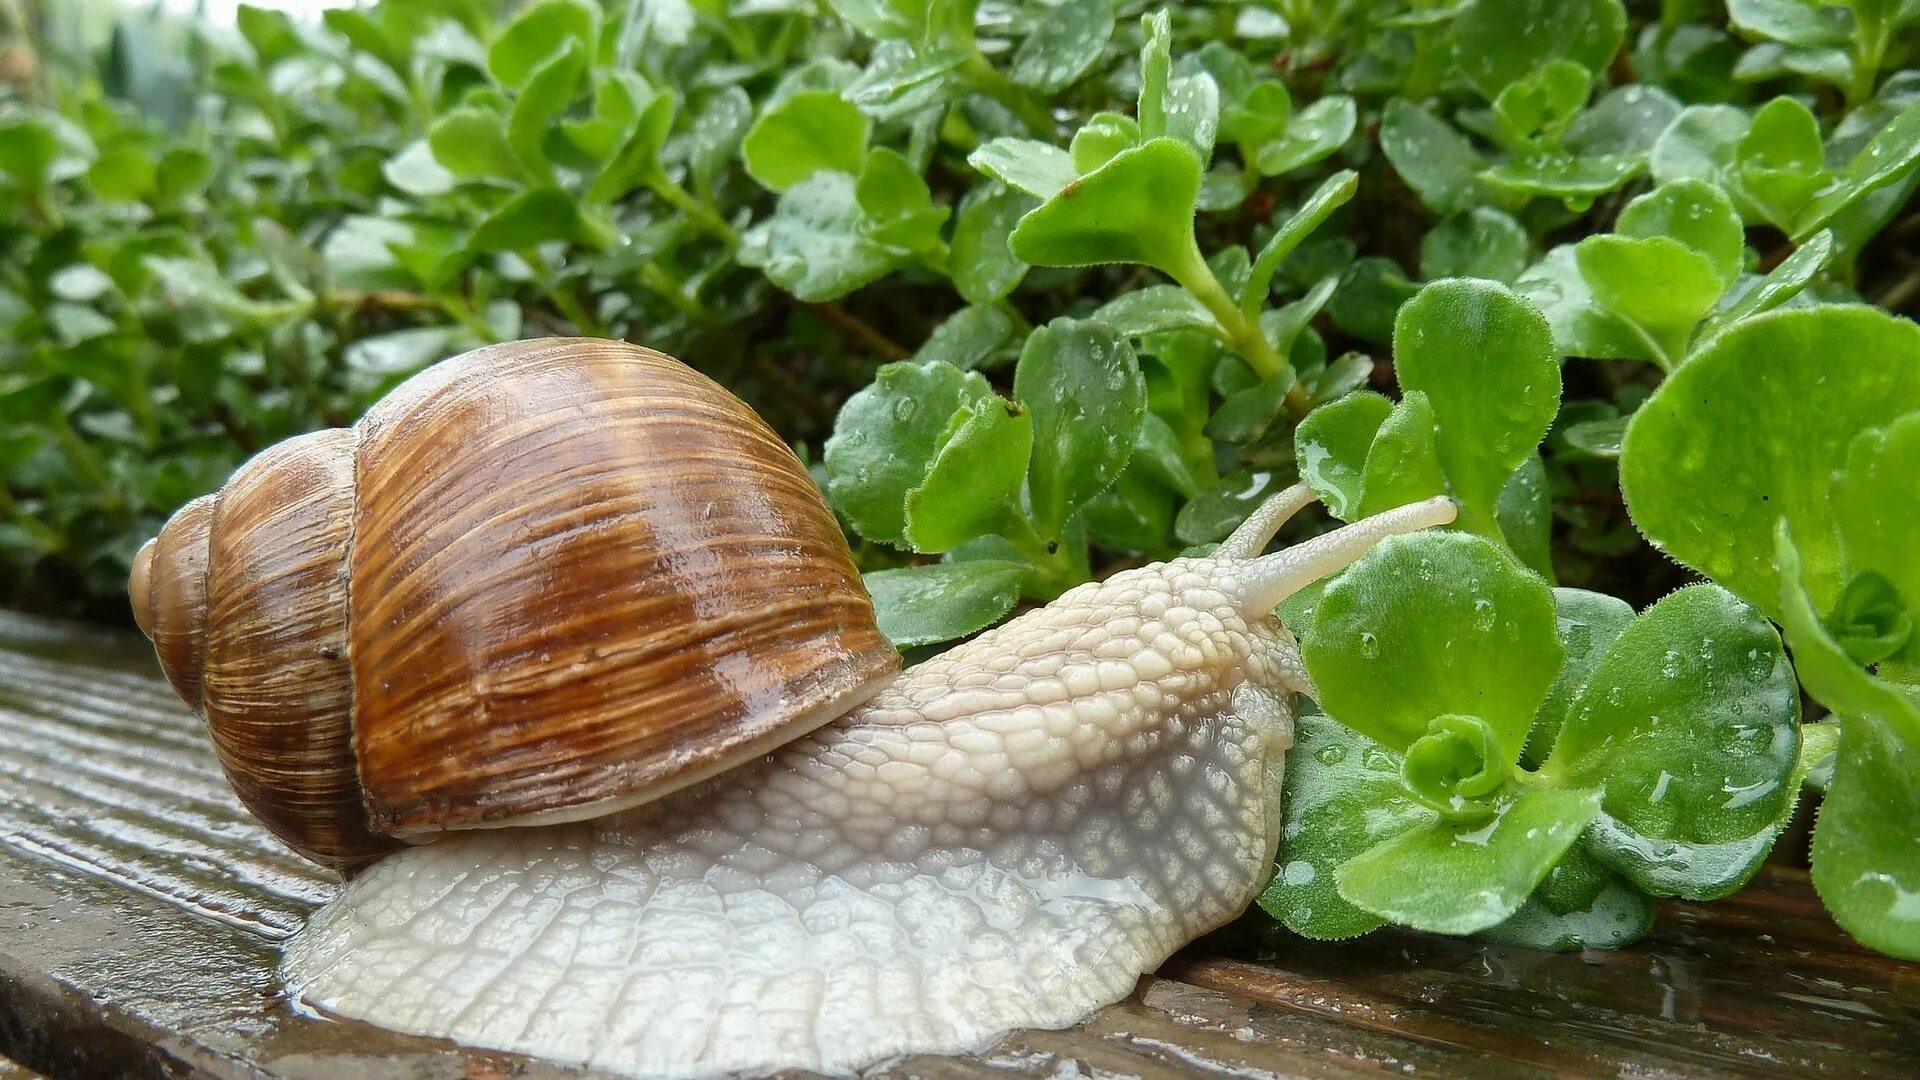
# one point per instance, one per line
(1044, 288)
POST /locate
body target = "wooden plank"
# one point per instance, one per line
(141, 911)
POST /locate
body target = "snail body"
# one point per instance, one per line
(1006, 835)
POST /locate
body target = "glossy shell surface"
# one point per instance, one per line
(541, 581)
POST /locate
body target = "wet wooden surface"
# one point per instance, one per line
(141, 911)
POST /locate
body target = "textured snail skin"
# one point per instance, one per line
(1007, 836)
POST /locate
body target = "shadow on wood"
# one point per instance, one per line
(141, 911)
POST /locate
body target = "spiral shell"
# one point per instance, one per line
(539, 582)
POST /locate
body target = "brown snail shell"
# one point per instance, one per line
(538, 582)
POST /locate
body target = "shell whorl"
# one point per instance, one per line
(539, 581)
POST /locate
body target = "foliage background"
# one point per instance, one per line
(1149, 267)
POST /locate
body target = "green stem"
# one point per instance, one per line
(1869, 51)
(49, 539)
(462, 312)
(1055, 567)
(994, 83)
(675, 293)
(701, 214)
(1240, 331)
(563, 299)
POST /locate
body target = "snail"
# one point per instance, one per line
(864, 863)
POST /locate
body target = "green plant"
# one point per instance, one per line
(1045, 287)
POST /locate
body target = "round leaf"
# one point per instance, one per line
(1865, 863)
(885, 439)
(1462, 877)
(1431, 624)
(1082, 385)
(1752, 429)
(1342, 795)
(1485, 359)
(924, 605)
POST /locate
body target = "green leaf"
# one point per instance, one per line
(1752, 429)
(713, 141)
(1499, 42)
(27, 150)
(1334, 192)
(925, 605)
(1463, 877)
(1890, 155)
(1695, 213)
(802, 135)
(1795, 22)
(548, 94)
(1690, 721)
(1137, 208)
(1626, 121)
(1065, 44)
(1429, 625)
(1403, 464)
(1702, 143)
(1658, 284)
(471, 143)
(1156, 69)
(1781, 284)
(1587, 622)
(127, 173)
(816, 245)
(984, 269)
(1780, 160)
(1102, 136)
(1525, 513)
(270, 33)
(1039, 169)
(1312, 134)
(1434, 158)
(1342, 795)
(1827, 673)
(537, 32)
(1082, 386)
(1576, 181)
(1865, 863)
(972, 337)
(1876, 503)
(638, 159)
(1259, 117)
(541, 216)
(972, 487)
(1331, 447)
(1581, 327)
(1486, 361)
(1541, 105)
(885, 439)
(1483, 243)
(1246, 414)
(897, 204)
(1154, 309)
(1617, 916)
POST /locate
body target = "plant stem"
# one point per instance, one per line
(675, 293)
(702, 214)
(1055, 569)
(992, 82)
(563, 299)
(1242, 333)
(48, 538)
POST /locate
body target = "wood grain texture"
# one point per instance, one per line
(584, 576)
(141, 908)
(176, 588)
(278, 696)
